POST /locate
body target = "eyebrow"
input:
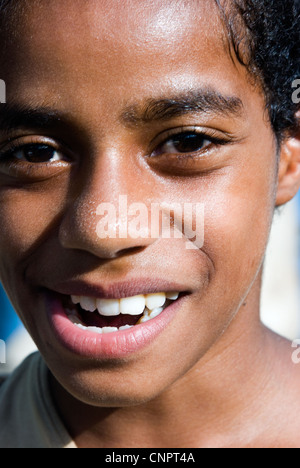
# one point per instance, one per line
(14, 116)
(208, 101)
(205, 101)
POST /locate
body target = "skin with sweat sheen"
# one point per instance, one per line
(96, 74)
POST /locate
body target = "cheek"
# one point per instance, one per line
(239, 236)
(238, 222)
(26, 217)
(238, 217)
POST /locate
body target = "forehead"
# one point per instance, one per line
(128, 25)
(131, 20)
(76, 48)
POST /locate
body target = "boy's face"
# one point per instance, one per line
(104, 70)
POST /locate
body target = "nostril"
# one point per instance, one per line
(130, 251)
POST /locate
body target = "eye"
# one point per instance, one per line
(34, 160)
(188, 151)
(36, 153)
(186, 142)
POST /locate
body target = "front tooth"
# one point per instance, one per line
(155, 300)
(109, 329)
(95, 330)
(132, 305)
(88, 303)
(108, 307)
(126, 327)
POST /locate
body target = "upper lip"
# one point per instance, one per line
(116, 290)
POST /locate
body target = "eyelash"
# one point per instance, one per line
(210, 135)
(182, 159)
(15, 148)
(21, 169)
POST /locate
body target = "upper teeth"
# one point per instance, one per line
(129, 305)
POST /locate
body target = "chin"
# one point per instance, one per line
(113, 396)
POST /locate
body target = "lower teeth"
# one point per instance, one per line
(100, 331)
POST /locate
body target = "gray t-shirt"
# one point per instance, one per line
(28, 417)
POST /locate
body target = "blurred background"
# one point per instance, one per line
(280, 309)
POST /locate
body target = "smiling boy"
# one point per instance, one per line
(143, 342)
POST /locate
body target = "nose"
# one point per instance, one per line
(106, 219)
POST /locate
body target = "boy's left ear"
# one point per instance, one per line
(289, 170)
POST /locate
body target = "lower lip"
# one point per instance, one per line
(114, 345)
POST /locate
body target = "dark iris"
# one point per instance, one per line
(188, 142)
(36, 153)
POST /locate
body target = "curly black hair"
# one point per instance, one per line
(265, 37)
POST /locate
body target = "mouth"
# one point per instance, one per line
(104, 316)
(110, 328)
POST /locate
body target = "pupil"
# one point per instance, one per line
(38, 153)
(188, 143)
